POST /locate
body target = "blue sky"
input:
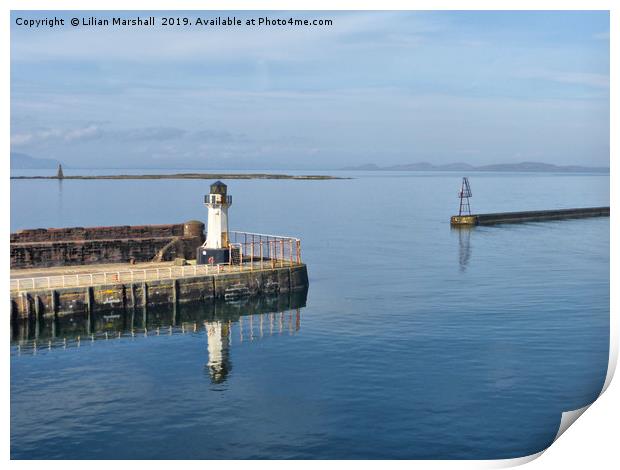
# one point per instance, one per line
(382, 87)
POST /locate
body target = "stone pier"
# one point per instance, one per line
(29, 299)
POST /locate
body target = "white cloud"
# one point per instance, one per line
(21, 139)
(45, 134)
(590, 79)
(603, 35)
(83, 133)
(597, 80)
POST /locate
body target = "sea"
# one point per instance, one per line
(413, 341)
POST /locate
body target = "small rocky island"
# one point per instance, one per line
(188, 176)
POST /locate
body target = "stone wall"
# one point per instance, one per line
(94, 245)
(97, 233)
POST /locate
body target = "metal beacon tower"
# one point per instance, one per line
(464, 195)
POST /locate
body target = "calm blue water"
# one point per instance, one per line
(416, 341)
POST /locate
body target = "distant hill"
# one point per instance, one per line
(21, 161)
(367, 167)
(508, 167)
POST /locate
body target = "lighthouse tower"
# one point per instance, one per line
(215, 248)
(218, 203)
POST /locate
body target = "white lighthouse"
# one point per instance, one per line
(218, 203)
(216, 247)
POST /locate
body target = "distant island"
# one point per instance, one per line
(186, 176)
(507, 167)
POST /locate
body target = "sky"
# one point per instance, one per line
(374, 87)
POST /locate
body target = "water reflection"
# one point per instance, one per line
(251, 327)
(464, 246)
(218, 339)
(59, 205)
(253, 318)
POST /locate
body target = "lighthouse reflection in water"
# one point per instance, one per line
(218, 336)
(250, 328)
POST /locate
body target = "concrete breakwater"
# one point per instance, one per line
(528, 216)
(209, 283)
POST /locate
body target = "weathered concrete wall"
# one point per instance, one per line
(529, 216)
(58, 302)
(532, 216)
(78, 245)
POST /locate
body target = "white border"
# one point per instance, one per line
(590, 443)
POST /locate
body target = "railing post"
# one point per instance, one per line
(260, 247)
(281, 252)
(298, 251)
(252, 254)
(290, 242)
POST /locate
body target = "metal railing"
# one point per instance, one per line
(271, 250)
(249, 252)
(217, 199)
(111, 277)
